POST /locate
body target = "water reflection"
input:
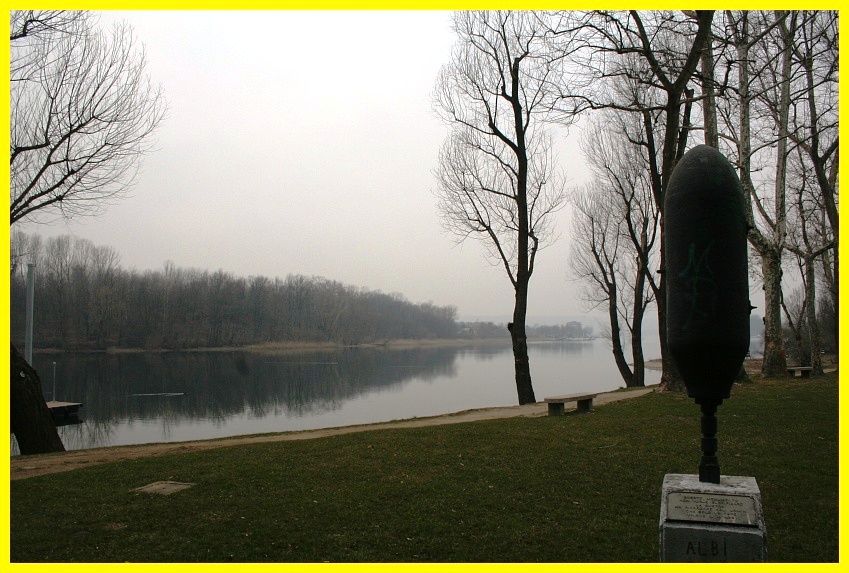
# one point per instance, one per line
(214, 386)
(125, 394)
(569, 347)
(135, 398)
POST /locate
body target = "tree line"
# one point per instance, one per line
(85, 299)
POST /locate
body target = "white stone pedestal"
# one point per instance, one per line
(706, 522)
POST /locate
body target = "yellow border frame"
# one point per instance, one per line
(381, 568)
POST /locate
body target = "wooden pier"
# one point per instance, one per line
(65, 412)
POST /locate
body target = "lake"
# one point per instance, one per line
(136, 398)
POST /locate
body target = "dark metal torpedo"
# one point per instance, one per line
(707, 300)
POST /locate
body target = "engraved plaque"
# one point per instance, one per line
(711, 508)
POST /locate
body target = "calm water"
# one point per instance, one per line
(226, 394)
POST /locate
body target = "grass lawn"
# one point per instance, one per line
(578, 488)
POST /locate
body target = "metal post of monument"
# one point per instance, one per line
(708, 517)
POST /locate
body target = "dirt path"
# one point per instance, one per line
(29, 466)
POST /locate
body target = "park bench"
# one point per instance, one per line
(804, 371)
(556, 404)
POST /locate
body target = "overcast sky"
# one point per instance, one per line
(305, 143)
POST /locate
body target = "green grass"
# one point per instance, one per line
(579, 488)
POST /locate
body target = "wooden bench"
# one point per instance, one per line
(804, 371)
(556, 404)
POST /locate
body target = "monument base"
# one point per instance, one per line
(708, 522)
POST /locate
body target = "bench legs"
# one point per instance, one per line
(585, 405)
(558, 408)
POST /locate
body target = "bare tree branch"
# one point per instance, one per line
(82, 114)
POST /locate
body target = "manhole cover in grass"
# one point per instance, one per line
(163, 487)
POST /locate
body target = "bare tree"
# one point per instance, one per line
(751, 35)
(615, 232)
(768, 87)
(496, 176)
(784, 102)
(794, 306)
(814, 130)
(604, 260)
(659, 52)
(82, 113)
(809, 238)
(814, 121)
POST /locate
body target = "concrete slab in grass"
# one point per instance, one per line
(163, 487)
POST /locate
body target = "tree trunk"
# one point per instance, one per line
(615, 339)
(775, 359)
(639, 311)
(670, 378)
(830, 274)
(518, 335)
(709, 95)
(811, 310)
(30, 419)
(639, 378)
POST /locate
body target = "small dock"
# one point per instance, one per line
(65, 412)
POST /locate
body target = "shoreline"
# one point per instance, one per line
(306, 346)
(22, 467)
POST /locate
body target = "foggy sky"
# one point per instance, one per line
(301, 142)
(305, 143)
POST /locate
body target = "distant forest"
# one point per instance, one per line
(86, 300)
